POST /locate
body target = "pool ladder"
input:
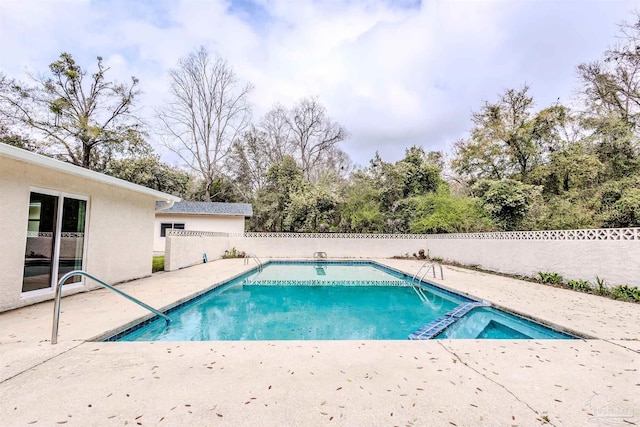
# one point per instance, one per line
(427, 266)
(58, 296)
(255, 258)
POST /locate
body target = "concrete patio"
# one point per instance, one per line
(444, 382)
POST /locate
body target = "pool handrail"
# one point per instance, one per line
(430, 265)
(58, 296)
(256, 259)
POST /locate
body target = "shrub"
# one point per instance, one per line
(579, 285)
(625, 293)
(601, 288)
(157, 263)
(234, 253)
(547, 277)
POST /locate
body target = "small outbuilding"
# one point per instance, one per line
(200, 216)
(57, 217)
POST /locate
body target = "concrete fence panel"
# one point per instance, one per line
(610, 254)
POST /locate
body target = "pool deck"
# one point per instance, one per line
(293, 383)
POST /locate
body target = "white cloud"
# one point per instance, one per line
(394, 75)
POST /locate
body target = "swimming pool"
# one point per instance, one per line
(330, 300)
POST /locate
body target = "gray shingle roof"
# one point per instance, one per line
(208, 208)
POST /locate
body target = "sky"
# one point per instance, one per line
(394, 73)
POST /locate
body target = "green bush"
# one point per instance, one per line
(234, 253)
(547, 277)
(157, 263)
(601, 288)
(579, 285)
(626, 293)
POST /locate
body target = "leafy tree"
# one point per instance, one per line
(247, 164)
(312, 210)
(208, 110)
(10, 138)
(615, 144)
(222, 189)
(626, 210)
(564, 212)
(507, 201)
(507, 139)
(362, 211)
(611, 92)
(615, 202)
(574, 167)
(612, 86)
(420, 176)
(86, 121)
(272, 202)
(442, 212)
(152, 173)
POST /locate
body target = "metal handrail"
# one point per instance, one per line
(319, 255)
(430, 266)
(418, 272)
(256, 259)
(56, 304)
(418, 290)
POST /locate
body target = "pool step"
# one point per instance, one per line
(433, 328)
(463, 309)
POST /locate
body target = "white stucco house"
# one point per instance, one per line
(57, 217)
(200, 216)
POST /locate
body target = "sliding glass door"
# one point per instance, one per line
(55, 239)
(39, 253)
(71, 237)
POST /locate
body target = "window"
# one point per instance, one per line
(165, 225)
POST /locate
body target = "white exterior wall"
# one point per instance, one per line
(612, 255)
(211, 223)
(183, 251)
(119, 233)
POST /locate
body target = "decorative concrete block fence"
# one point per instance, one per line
(611, 254)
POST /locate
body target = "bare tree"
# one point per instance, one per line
(277, 131)
(313, 133)
(89, 120)
(208, 111)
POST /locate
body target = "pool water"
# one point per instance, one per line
(490, 323)
(325, 301)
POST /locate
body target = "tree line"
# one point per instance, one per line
(522, 167)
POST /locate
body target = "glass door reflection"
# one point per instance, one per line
(55, 240)
(39, 251)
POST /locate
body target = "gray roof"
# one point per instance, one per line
(208, 208)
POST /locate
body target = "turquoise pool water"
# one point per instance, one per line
(323, 301)
(491, 323)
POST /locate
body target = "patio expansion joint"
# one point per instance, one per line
(454, 354)
(41, 363)
(619, 344)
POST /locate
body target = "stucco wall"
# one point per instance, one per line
(612, 255)
(119, 238)
(183, 251)
(213, 223)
